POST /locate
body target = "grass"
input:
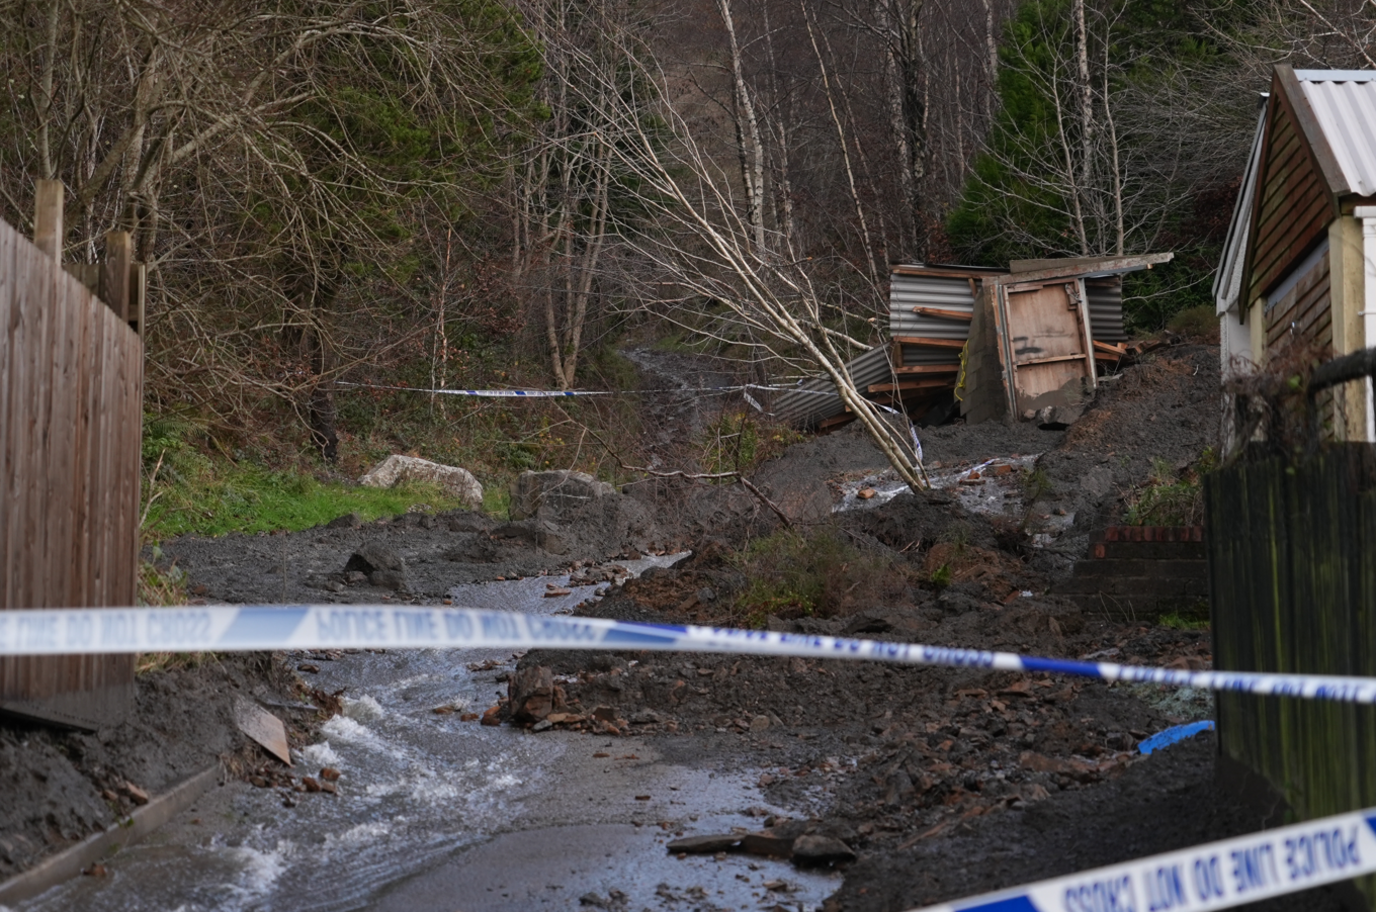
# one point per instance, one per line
(1193, 618)
(1168, 499)
(187, 491)
(814, 573)
(248, 498)
(740, 442)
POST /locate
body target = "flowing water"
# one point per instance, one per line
(439, 814)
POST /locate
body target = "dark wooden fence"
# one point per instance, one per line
(71, 386)
(1292, 556)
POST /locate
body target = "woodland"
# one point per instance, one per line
(437, 194)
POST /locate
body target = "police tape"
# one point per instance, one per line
(564, 394)
(269, 627)
(1217, 875)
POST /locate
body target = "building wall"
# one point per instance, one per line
(1294, 206)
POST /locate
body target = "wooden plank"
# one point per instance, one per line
(30, 346)
(940, 314)
(1109, 348)
(926, 342)
(928, 369)
(114, 273)
(1062, 269)
(834, 421)
(911, 385)
(48, 234)
(85, 390)
(8, 369)
(57, 526)
(1053, 359)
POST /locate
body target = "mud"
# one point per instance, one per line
(62, 786)
(945, 782)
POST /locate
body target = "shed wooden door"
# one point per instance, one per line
(1047, 349)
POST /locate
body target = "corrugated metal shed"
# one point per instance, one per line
(917, 292)
(1344, 103)
(932, 304)
(804, 407)
(1105, 297)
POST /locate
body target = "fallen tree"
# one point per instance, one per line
(696, 259)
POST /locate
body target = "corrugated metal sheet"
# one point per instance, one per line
(1106, 309)
(802, 408)
(1344, 102)
(944, 288)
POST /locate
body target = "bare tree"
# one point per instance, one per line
(266, 157)
(700, 243)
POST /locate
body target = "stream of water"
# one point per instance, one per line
(439, 814)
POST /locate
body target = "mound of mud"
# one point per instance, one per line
(62, 786)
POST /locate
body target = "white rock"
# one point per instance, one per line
(458, 483)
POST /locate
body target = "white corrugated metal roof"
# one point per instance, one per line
(1344, 102)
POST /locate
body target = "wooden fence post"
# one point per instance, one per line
(114, 272)
(138, 294)
(47, 218)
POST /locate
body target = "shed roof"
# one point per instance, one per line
(1228, 279)
(1344, 106)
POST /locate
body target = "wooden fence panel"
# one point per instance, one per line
(71, 394)
(1292, 560)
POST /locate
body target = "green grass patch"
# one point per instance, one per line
(186, 491)
(247, 498)
(1195, 617)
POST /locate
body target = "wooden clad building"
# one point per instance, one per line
(1298, 267)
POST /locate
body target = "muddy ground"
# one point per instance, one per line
(944, 783)
(60, 786)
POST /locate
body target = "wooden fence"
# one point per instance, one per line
(1292, 557)
(71, 387)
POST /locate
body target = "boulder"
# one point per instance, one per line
(456, 482)
(530, 692)
(347, 521)
(558, 496)
(820, 850)
(373, 556)
(381, 566)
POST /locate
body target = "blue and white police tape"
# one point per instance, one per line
(1217, 875)
(563, 394)
(266, 627)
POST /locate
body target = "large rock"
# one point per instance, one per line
(383, 566)
(456, 482)
(820, 850)
(530, 693)
(559, 496)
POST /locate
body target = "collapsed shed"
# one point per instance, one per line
(989, 342)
